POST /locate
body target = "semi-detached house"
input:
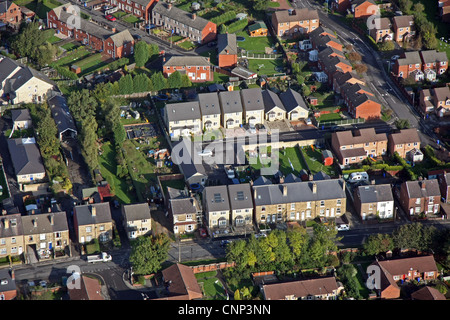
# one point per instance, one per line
(183, 118)
(197, 68)
(420, 197)
(294, 22)
(374, 201)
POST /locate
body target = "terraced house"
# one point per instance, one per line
(216, 205)
(66, 20)
(138, 8)
(11, 235)
(299, 201)
(274, 108)
(420, 197)
(241, 205)
(183, 23)
(93, 221)
(404, 142)
(294, 22)
(294, 104)
(374, 201)
(45, 233)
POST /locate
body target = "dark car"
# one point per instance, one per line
(137, 37)
(224, 243)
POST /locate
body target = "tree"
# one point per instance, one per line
(354, 56)
(174, 81)
(46, 53)
(141, 53)
(261, 5)
(402, 124)
(378, 243)
(28, 40)
(185, 81)
(414, 236)
(386, 46)
(361, 68)
(418, 8)
(88, 141)
(298, 240)
(148, 253)
(141, 83)
(306, 90)
(159, 81)
(323, 242)
(126, 84)
(223, 28)
(405, 6)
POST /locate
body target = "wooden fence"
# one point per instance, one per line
(266, 56)
(212, 267)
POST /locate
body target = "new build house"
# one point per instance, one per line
(137, 220)
(253, 106)
(183, 118)
(210, 110)
(26, 159)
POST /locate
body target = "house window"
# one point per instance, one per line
(418, 201)
(338, 202)
(102, 228)
(322, 203)
(88, 229)
(42, 236)
(263, 217)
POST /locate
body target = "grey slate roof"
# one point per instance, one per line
(188, 167)
(137, 211)
(183, 206)
(11, 231)
(179, 15)
(260, 181)
(411, 57)
(209, 103)
(187, 61)
(375, 193)
(216, 198)
(20, 115)
(122, 38)
(422, 189)
(226, 43)
(9, 284)
(183, 111)
(291, 99)
(405, 136)
(240, 196)
(252, 99)
(292, 178)
(230, 101)
(26, 157)
(4, 6)
(271, 100)
(432, 56)
(61, 114)
(7, 66)
(43, 223)
(84, 215)
(299, 192)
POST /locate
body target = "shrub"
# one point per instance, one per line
(237, 25)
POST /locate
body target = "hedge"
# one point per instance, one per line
(225, 17)
(66, 73)
(237, 25)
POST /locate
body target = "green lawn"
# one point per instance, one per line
(290, 161)
(108, 167)
(77, 55)
(329, 117)
(188, 45)
(444, 47)
(53, 39)
(255, 44)
(131, 19)
(264, 67)
(119, 14)
(69, 46)
(314, 160)
(39, 7)
(211, 286)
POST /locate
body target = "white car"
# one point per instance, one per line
(358, 176)
(343, 227)
(260, 235)
(205, 153)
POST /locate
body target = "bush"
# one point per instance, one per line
(225, 17)
(237, 26)
(66, 73)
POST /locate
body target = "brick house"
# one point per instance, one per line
(403, 27)
(396, 271)
(227, 50)
(93, 221)
(362, 9)
(331, 65)
(10, 13)
(311, 289)
(434, 60)
(417, 197)
(340, 5)
(444, 186)
(444, 10)
(183, 23)
(353, 147)
(299, 201)
(382, 30)
(116, 45)
(197, 68)
(322, 38)
(427, 293)
(374, 201)
(138, 8)
(361, 102)
(119, 45)
(181, 283)
(341, 78)
(403, 142)
(8, 289)
(435, 100)
(293, 22)
(406, 65)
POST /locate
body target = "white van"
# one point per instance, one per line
(358, 176)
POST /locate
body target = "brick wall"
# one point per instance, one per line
(212, 267)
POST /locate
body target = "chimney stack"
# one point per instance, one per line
(314, 188)
(49, 210)
(194, 16)
(34, 223)
(6, 223)
(3, 212)
(94, 211)
(52, 219)
(284, 190)
(423, 185)
(169, 6)
(32, 211)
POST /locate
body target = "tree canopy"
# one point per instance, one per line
(148, 253)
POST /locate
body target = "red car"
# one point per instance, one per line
(203, 233)
(110, 17)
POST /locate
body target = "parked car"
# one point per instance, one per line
(110, 17)
(260, 235)
(224, 243)
(137, 37)
(393, 58)
(308, 121)
(203, 233)
(358, 176)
